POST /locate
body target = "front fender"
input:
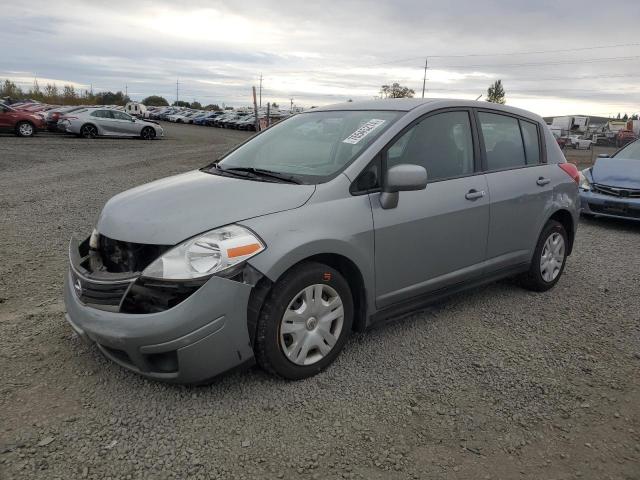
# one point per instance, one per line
(341, 227)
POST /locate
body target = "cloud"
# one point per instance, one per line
(322, 52)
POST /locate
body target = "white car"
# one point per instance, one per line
(98, 122)
(580, 143)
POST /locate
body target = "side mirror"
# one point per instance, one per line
(603, 155)
(402, 178)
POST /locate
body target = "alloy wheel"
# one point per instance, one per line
(311, 324)
(89, 131)
(25, 129)
(148, 133)
(552, 257)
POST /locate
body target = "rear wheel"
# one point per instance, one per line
(25, 129)
(549, 258)
(148, 133)
(305, 322)
(89, 131)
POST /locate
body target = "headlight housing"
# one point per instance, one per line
(206, 254)
(585, 184)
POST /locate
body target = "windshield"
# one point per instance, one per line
(631, 151)
(312, 146)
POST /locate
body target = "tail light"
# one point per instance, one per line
(571, 170)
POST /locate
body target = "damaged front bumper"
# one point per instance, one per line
(200, 337)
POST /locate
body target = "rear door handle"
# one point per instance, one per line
(543, 181)
(474, 194)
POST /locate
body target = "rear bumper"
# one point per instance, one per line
(196, 340)
(592, 203)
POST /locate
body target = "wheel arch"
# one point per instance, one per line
(565, 218)
(346, 267)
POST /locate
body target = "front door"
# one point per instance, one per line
(435, 237)
(123, 124)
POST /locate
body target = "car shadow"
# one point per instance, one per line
(619, 224)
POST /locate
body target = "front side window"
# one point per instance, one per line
(120, 116)
(502, 141)
(312, 146)
(441, 143)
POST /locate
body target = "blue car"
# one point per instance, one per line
(202, 119)
(611, 188)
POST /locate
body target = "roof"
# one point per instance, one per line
(407, 104)
(396, 104)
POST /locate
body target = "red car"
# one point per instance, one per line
(22, 123)
(625, 136)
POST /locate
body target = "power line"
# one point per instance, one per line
(495, 54)
(537, 64)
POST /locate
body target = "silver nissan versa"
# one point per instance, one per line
(327, 222)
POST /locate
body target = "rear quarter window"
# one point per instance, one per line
(531, 142)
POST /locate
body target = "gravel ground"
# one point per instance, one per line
(495, 383)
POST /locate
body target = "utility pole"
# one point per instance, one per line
(255, 110)
(126, 89)
(177, 90)
(424, 80)
(261, 90)
(291, 104)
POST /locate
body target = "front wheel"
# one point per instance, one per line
(148, 133)
(304, 322)
(549, 258)
(25, 129)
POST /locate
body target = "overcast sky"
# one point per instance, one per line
(329, 51)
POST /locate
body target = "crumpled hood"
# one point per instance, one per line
(168, 211)
(617, 172)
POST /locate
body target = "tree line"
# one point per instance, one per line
(65, 95)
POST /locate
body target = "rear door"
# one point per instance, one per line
(520, 184)
(104, 121)
(435, 237)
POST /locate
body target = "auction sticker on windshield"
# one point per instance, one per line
(364, 130)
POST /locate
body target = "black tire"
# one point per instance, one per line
(148, 133)
(88, 130)
(25, 129)
(268, 350)
(533, 279)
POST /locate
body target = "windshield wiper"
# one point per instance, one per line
(261, 172)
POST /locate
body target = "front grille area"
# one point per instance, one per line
(619, 210)
(118, 257)
(103, 294)
(103, 277)
(616, 191)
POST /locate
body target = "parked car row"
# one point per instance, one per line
(27, 118)
(236, 119)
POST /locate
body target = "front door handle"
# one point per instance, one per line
(543, 181)
(474, 194)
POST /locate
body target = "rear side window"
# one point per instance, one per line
(101, 114)
(531, 142)
(441, 143)
(502, 141)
